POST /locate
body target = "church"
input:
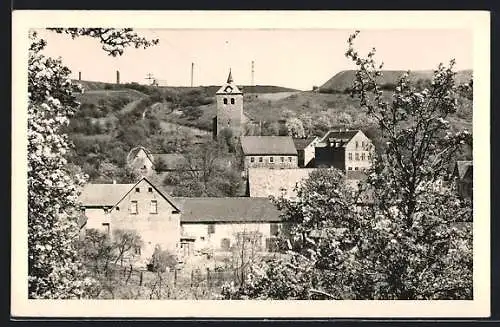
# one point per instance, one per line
(229, 99)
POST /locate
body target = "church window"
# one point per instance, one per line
(225, 100)
(232, 100)
(260, 159)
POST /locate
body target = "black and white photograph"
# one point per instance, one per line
(251, 160)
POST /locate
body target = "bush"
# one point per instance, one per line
(161, 260)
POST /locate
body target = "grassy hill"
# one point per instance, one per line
(342, 81)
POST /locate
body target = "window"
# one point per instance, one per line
(350, 155)
(137, 250)
(362, 144)
(202, 238)
(106, 228)
(252, 159)
(349, 168)
(290, 159)
(271, 159)
(150, 189)
(282, 159)
(260, 159)
(228, 122)
(211, 229)
(363, 156)
(357, 144)
(225, 100)
(154, 206)
(117, 208)
(232, 100)
(274, 229)
(369, 155)
(225, 244)
(137, 190)
(357, 156)
(356, 168)
(133, 207)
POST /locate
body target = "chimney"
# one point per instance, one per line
(79, 76)
(117, 77)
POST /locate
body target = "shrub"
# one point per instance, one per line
(161, 260)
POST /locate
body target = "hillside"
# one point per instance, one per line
(342, 81)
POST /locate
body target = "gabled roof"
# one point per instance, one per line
(303, 142)
(265, 145)
(103, 194)
(154, 187)
(463, 168)
(135, 151)
(225, 210)
(109, 195)
(339, 135)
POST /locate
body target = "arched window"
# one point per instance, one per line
(232, 100)
(225, 100)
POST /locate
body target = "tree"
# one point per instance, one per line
(403, 234)
(295, 127)
(54, 270)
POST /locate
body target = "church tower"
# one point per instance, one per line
(229, 107)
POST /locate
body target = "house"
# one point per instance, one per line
(305, 151)
(263, 182)
(219, 224)
(140, 206)
(179, 225)
(464, 178)
(141, 160)
(276, 152)
(345, 150)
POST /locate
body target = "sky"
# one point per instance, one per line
(300, 58)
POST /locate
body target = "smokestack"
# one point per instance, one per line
(117, 77)
(79, 76)
(192, 69)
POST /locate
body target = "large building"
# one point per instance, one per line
(345, 150)
(179, 225)
(275, 152)
(229, 100)
(306, 151)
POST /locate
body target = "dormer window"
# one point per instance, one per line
(225, 100)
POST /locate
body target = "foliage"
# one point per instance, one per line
(161, 260)
(404, 234)
(295, 127)
(54, 269)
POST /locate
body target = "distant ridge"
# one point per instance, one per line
(210, 89)
(342, 81)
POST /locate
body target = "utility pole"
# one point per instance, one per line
(117, 77)
(192, 69)
(79, 76)
(253, 71)
(150, 78)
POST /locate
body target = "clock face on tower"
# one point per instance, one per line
(228, 89)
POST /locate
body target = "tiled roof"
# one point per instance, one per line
(268, 145)
(343, 135)
(242, 209)
(462, 168)
(103, 194)
(302, 143)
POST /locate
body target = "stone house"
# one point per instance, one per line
(274, 152)
(180, 225)
(305, 151)
(141, 207)
(345, 150)
(464, 178)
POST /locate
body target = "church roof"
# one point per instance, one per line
(229, 87)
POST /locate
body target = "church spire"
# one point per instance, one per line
(230, 77)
